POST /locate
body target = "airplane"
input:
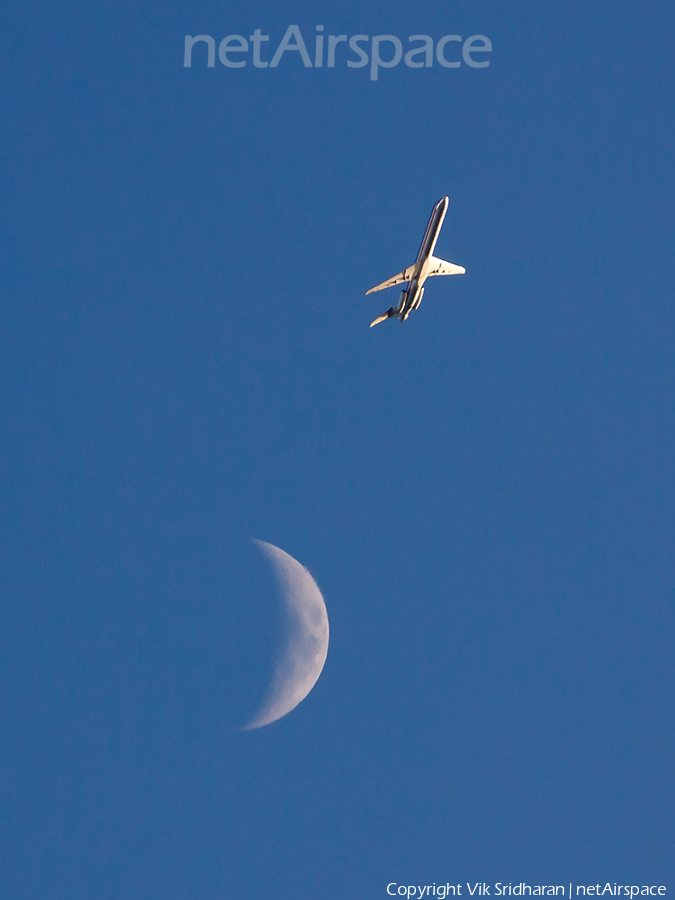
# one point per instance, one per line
(424, 266)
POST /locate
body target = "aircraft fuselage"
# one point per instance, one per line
(411, 297)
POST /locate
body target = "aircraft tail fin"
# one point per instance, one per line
(405, 275)
(441, 267)
(392, 311)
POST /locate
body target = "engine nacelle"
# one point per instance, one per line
(418, 298)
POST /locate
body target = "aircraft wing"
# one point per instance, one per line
(441, 267)
(405, 275)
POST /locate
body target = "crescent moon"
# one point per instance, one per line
(302, 660)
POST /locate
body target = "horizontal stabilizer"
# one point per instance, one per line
(405, 275)
(379, 319)
(441, 267)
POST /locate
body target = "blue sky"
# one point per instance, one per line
(484, 494)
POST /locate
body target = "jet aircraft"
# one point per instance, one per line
(424, 266)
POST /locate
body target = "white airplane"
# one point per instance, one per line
(424, 266)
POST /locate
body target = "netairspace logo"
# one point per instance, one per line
(382, 51)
